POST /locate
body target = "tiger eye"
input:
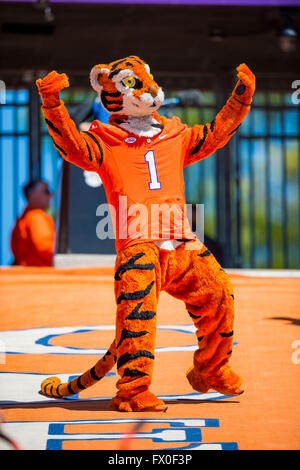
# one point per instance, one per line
(129, 82)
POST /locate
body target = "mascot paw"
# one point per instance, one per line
(50, 86)
(246, 85)
(53, 83)
(243, 68)
(225, 381)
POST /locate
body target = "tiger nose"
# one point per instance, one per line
(153, 90)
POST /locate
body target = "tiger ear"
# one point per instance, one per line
(96, 74)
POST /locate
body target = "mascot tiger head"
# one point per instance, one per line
(127, 87)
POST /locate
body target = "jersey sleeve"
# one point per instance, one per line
(84, 149)
(206, 139)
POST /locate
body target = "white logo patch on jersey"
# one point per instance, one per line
(130, 140)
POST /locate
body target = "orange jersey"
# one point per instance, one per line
(143, 176)
(33, 239)
(143, 180)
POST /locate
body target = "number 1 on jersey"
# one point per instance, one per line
(150, 159)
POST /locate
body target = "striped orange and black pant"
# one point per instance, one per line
(191, 275)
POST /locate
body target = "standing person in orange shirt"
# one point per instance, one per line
(33, 236)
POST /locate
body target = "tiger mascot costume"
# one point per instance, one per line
(140, 157)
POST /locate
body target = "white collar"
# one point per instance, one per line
(145, 126)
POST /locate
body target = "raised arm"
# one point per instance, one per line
(208, 138)
(84, 149)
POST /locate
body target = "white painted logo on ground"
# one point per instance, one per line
(36, 340)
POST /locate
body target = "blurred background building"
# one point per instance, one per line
(250, 189)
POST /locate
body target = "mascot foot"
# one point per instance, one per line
(158, 408)
(225, 381)
(144, 401)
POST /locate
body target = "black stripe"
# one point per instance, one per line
(200, 338)
(192, 315)
(70, 388)
(159, 126)
(115, 72)
(94, 375)
(212, 125)
(133, 373)
(108, 103)
(226, 335)
(138, 84)
(89, 150)
(58, 147)
(114, 94)
(118, 63)
(126, 334)
(130, 265)
(201, 141)
(108, 353)
(97, 143)
(51, 390)
(229, 352)
(52, 126)
(115, 110)
(57, 391)
(111, 104)
(79, 384)
(234, 130)
(130, 357)
(139, 294)
(232, 296)
(134, 58)
(205, 253)
(136, 315)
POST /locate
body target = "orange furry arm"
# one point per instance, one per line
(84, 149)
(211, 137)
